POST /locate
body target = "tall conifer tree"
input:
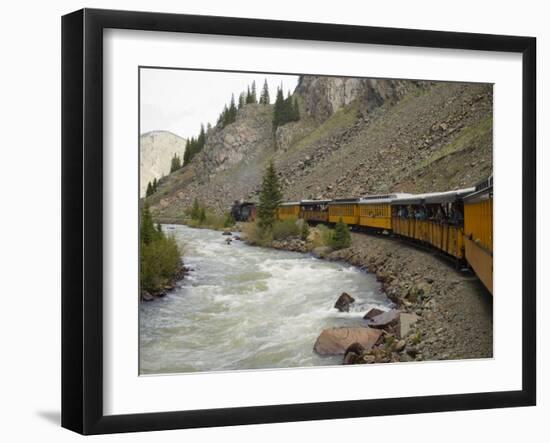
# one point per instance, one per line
(264, 97)
(253, 98)
(270, 198)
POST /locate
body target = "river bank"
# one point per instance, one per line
(172, 283)
(452, 309)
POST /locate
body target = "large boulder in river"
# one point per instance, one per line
(344, 301)
(384, 320)
(372, 312)
(335, 341)
(146, 296)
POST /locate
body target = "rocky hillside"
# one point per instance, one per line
(354, 137)
(156, 151)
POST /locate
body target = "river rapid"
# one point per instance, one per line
(246, 307)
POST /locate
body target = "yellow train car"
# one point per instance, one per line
(436, 219)
(288, 210)
(478, 232)
(346, 210)
(375, 211)
(314, 211)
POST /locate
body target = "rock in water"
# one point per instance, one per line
(344, 301)
(373, 312)
(385, 319)
(356, 347)
(335, 341)
(146, 296)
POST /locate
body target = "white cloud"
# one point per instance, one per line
(180, 100)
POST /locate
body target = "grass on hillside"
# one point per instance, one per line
(481, 130)
(342, 118)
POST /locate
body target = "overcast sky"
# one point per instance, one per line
(179, 101)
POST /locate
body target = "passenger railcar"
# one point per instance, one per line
(288, 210)
(478, 231)
(375, 211)
(346, 210)
(436, 219)
(314, 211)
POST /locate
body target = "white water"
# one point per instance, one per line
(245, 307)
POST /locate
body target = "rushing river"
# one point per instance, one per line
(245, 307)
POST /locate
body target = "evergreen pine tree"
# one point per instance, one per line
(202, 138)
(304, 234)
(288, 109)
(270, 198)
(176, 163)
(187, 152)
(242, 100)
(232, 110)
(278, 109)
(264, 97)
(155, 185)
(296, 111)
(195, 210)
(248, 95)
(341, 238)
(147, 230)
(149, 190)
(253, 98)
(225, 116)
(202, 215)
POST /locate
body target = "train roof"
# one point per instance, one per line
(434, 197)
(483, 191)
(289, 204)
(485, 184)
(382, 198)
(343, 201)
(314, 202)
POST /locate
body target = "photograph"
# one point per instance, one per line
(303, 220)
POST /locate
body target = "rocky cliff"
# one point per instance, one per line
(354, 137)
(156, 151)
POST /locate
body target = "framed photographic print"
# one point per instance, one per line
(270, 221)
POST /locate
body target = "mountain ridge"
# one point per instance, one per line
(156, 149)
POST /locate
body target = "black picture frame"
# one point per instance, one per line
(82, 218)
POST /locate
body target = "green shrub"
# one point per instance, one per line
(229, 220)
(256, 235)
(160, 256)
(341, 238)
(160, 260)
(325, 234)
(304, 234)
(207, 219)
(286, 229)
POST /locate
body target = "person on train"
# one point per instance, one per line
(439, 216)
(420, 213)
(456, 215)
